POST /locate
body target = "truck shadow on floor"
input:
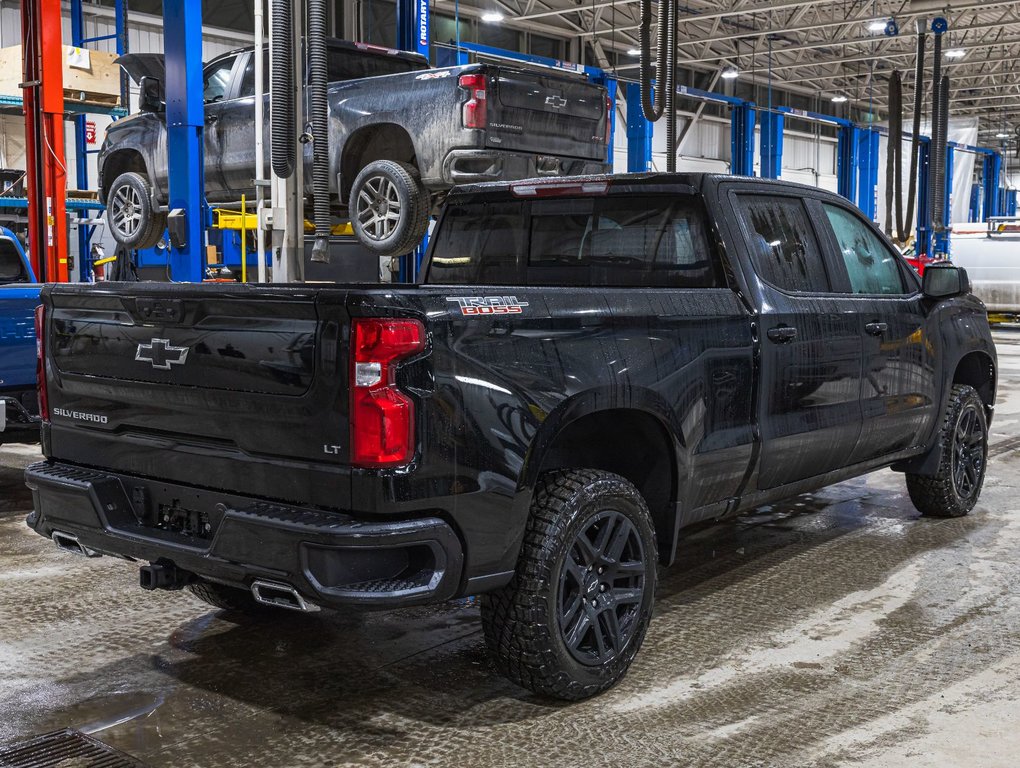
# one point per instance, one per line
(353, 671)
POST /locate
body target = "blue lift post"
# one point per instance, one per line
(990, 173)
(82, 151)
(923, 235)
(185, 120)
(639, 133)
(742, 120)
(771, 143)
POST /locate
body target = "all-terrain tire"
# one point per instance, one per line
(963, 437)
(226, 598)
(129, 213)
(528, 625)
(389, 208)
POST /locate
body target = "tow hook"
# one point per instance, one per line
(163, 574)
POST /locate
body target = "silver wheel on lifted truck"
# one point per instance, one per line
(129, 212)
(389, 208)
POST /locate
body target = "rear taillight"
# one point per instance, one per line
(474, 111)
(382, 416)
(609, 119)
(40, 362)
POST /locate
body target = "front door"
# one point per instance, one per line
(811, 354)
(216, 93)
(898, 393)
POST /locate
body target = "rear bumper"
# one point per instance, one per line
(329, 558)
(17, 423)
(469, 166)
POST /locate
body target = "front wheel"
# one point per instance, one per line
(129, 212)
(389, 208)
(954, 489)
(571, 621)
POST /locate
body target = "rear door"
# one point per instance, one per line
(898, 388)
(233, 387)
(811, 366)
(218, 92)
(538, 112)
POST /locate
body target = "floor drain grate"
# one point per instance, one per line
(64, 749)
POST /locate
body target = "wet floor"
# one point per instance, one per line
(835, 629)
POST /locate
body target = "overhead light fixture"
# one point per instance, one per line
(955, 53)
(730, 73)
(1002, 135)
(878, 25)
(839, 98)
(633, 52)
(492, 17)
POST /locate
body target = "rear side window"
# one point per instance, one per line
(871, 266)
(620, 241)
(783, 246)
(480, 243)
(12, 270)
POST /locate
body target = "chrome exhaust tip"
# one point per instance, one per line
(69, 543)
(280, 596)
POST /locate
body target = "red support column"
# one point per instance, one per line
(44, 137)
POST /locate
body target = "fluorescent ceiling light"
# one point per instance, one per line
(1002, 135)
(493, 16)
(955, 53)
(730, 73)
(878, 25)
(839, 98)
(633, 52)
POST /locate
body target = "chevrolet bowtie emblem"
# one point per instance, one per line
(556, 102)
(161, 354)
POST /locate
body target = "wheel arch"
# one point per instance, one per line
(121, 161)
(977, 370)
(633, 442)
(380, 141)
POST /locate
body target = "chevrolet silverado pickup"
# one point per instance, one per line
(401, 134)
(587, 367)
(19, 296)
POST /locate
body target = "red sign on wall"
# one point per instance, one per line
(90, 132)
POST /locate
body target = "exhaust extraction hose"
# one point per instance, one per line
(914, 140)
(893, 151)
(283, 140)
(317, 86)
(942, 123)
(934, 161)
(653, 109)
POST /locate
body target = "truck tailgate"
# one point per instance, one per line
(538, 112)
(142, 379)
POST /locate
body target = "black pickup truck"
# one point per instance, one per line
(588, 367)
(401, 134)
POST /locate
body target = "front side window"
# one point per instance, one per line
(783, 246)
(871, 266)
(12, 269)
(217, 80)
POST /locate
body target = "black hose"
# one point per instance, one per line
(896, 128)
(893, 150)
(670, 100)
(653, 109)
(935, 164)
(940, 170)
(914, 141)
(283, 140)
(317, 86)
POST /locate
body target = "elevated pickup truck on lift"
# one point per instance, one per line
(588, 367)
(401, 135)
(19, 296)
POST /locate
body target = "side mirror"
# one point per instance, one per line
(151, 98)
(944, 281)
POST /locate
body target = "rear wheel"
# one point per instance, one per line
(954, 489)
(389, 208)
(571, 621)
(129, 212)
(226, 598)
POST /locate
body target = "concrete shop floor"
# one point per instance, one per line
(835, 629)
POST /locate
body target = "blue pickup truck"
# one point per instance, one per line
(19, 296)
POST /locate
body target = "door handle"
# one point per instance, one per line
(782, 334)
(876, 329)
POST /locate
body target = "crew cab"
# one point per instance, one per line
(587, 367)
(19, 296)
(401, 134)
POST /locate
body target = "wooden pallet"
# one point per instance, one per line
(99, 84)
